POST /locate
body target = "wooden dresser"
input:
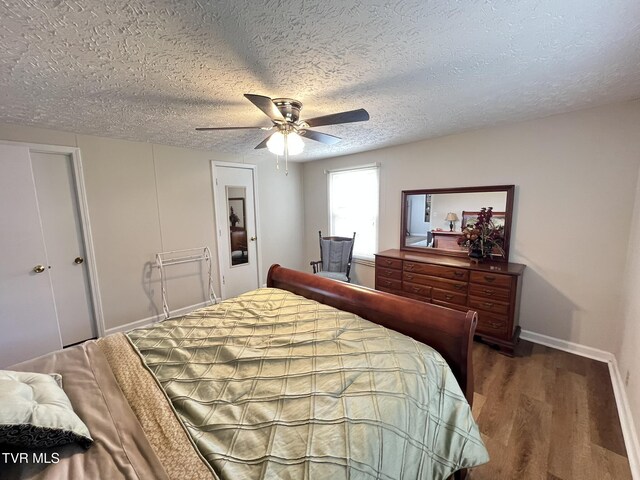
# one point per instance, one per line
(491, 288)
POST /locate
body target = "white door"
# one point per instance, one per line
(62, 228)
(237, 233)
(28, 323)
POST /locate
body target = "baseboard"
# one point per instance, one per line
(566, 346)
(145, 322)
(619, 391)
(626, 419)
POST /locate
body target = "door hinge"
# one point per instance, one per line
(223, 282)
(216, 181)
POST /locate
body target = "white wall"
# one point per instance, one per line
(629, 354)
(575, 177)
(146, 198)
(281, 215)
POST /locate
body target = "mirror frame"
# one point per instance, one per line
(510, 191)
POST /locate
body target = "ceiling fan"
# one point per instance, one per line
(285, 117)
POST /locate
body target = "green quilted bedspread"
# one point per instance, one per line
(272, 385)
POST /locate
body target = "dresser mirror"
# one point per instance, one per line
(433, 219)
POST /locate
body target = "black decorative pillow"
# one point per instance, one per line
(35, 412)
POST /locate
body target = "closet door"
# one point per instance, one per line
(28, 323)
(62, 232)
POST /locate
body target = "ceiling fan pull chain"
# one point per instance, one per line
(286, 153)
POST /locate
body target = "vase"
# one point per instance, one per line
(475, 254)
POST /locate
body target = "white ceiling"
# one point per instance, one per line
(154, 70)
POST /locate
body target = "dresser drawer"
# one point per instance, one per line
(416, 289)
(388, 273)
(494, 325)
(441, 283)
(388, 283)
(454, 306)
(387, 262)
(436, 270)
(488, 305)
(413, 297)
(449, 296)
(485, 291)
(390, 290)
(486, 278)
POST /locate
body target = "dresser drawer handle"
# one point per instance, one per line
(409, 276)
(389, 262)
(417, 289)
(495, 324)
(458, 274)
(388, 273)
(458, 286)
(448, 297)
(410, 266)
(387, 283)
(489, 279)
(488, 304)
(488, 292)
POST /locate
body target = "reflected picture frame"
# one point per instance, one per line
(237, 212)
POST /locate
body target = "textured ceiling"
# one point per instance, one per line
(154, 70)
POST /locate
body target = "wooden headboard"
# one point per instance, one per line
(466, 216)
(238, 239)
(450, 332)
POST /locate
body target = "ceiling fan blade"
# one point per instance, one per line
(232, 128)
(360, 115)
(266, 105)
(263, 144)
(320, 137)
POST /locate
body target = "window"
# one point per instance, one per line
(353, 207)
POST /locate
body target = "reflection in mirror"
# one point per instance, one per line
(237, 225)
(469, 218)
(434, 219)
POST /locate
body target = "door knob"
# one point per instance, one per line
(78, 260)
(39, 268)
(253, 239)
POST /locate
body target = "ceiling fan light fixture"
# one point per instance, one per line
(293, 141)
(276, 144)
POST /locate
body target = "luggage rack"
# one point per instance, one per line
(177, 257)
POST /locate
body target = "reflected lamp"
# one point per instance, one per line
(451, 217)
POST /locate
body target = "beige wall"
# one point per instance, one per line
(121, 193)
(146, 198)
(628, 354)
(281, 204)
(575, 177)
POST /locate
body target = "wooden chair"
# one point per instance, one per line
(335, 257)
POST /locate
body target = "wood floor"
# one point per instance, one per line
(548, 415)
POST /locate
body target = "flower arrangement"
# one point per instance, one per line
(483, 237)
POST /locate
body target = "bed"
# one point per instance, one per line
(295, 380)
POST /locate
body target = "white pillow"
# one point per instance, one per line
(35, 412)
